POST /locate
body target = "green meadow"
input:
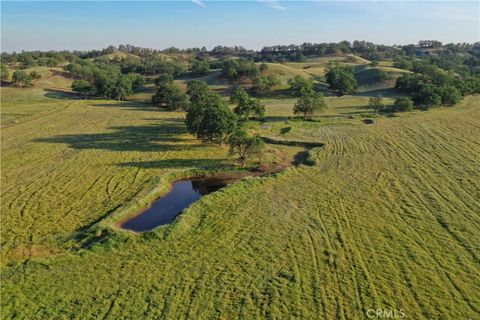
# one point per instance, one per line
(386, 217)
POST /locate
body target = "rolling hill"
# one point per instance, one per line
(387, 217)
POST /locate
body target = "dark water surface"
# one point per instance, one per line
(165, 209)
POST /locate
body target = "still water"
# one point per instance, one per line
(165, 209)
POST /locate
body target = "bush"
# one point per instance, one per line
(200, 68)
(35, 75)
(82, 86)
(450, 95)
(22, 79)
(402, 104)
(376, 103)
(309, 103)
(234, 69)
(5, 73)
(342, 79)
(263, 86)
(244, 146)
(300, 85)
(169, 96)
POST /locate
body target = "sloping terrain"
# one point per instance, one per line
(387, 218)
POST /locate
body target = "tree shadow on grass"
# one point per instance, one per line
(386, 93)
(177, 163)
(137, 106)
(279, 118)
(61, 94)
(294, 143)
(159, 137)
(356, 113)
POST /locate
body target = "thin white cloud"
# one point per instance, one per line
(446, 10)
(274, 4)
(199, 3)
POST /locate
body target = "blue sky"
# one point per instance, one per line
(159, 24)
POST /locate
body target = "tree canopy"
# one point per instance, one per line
(21, 78)
(402, 104)
(300, 85)
(244, 146)
(210, 118)
(82, 86)
(4, 73)
(200, 68)
(196, 90)
(309, 103)
(376, 103)
(168, 95)
(263, 85)
(342, 79)
(246, 106)
(235, 69)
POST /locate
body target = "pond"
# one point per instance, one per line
(182, 194)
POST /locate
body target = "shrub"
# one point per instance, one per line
(300, 85)
(342, 79)
(35, 75)
(402, 104)
(22, 79)
(376, 103)
(82, 86)
(200, 68)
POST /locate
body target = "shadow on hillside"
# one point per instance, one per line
(158, 137)
(175, 163)
(214, 78)
(61, 94)
(61, 73)
(386, 93)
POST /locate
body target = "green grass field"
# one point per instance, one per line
(388, 217)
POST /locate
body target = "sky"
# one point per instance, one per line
(85, 25)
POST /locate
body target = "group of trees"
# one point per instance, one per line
(19, 77)
(249, 71)
(341, 78)
(401, 104)
(28, 59)
(210, 119)
(430, 90)
(234, 69)
(102, 79)
(148, 66)
(22, 79)
(468, 53)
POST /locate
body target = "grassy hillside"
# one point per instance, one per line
(387, 218)
(120, 55)
(370, 78)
